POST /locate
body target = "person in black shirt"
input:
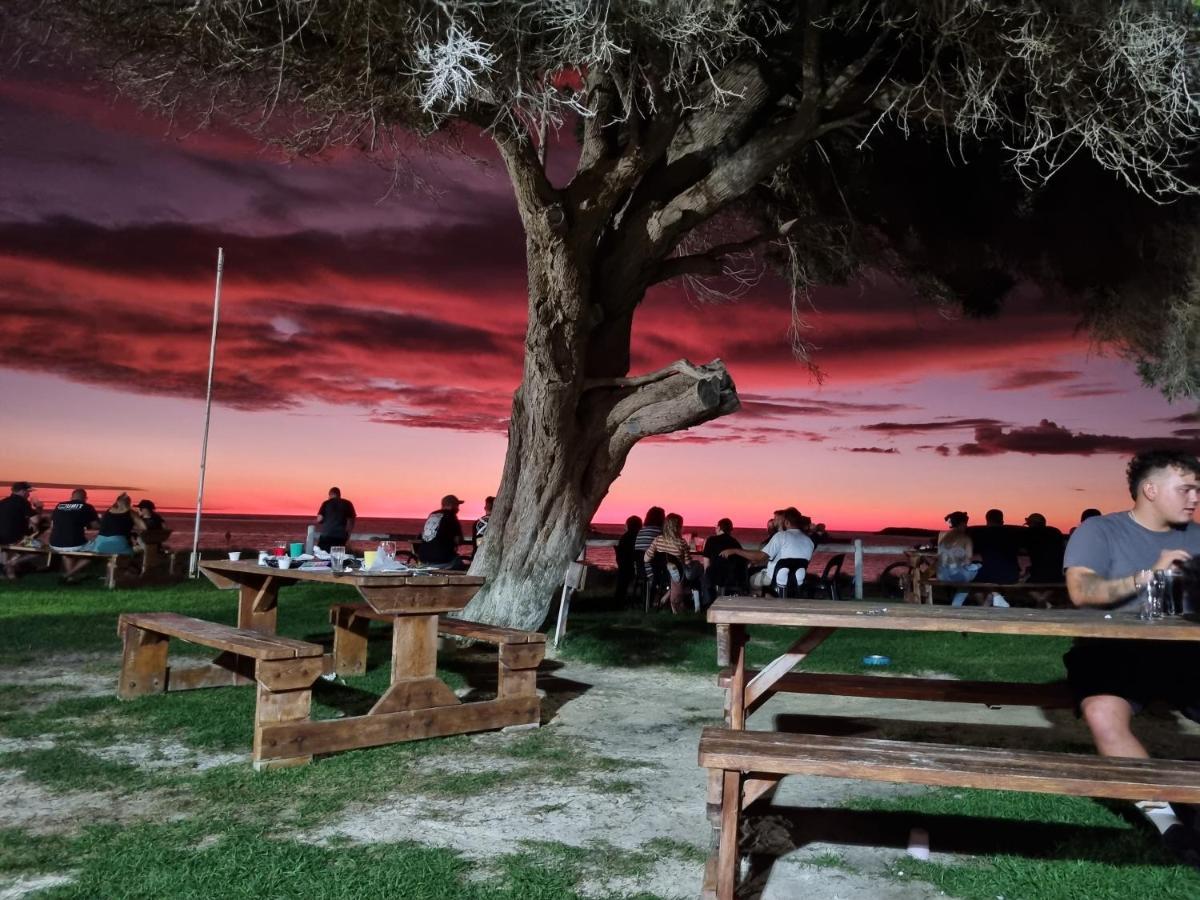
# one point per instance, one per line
(1045, 545)
(721, 571)
(16, 517)
(336, 518)
(481, 524)
(118, 525)
(154, 522)
(441, 536)
(627, 559)
(68, 522)
(997, 545)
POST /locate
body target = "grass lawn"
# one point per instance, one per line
(206, 826)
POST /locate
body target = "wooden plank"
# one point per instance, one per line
(332, 735)
(143, 662)
(759, 687)
(289, 674)
(492, 634)
(517, 682)
(722, 645)
(239, 570)
(521, 656)
(427, 595)
(350, 637)
(222, 637)
(910, 762)
(227, 670)
(754, 787)
(736, 712)
(414, 693)
(258, 604)
(1050, 695)
(276, 709)
(414, 647)
(727, 852)
(975, 620)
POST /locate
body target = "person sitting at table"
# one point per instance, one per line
(955, 550)
(481, 524)
(154, 522)
(721, 571)
(16, 516)
(627, 561)
(681, 570)
(1045, 546)
(441, 536)
(1108, 560)
(652, 527)
(336, 518)
(68, 524)
(787, 543)
(117, 527)
(998, 548)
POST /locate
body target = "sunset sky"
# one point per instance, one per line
(371, 336)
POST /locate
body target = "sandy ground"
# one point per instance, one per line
(651, 720)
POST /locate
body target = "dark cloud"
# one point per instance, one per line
(1081, 391)
(1050, 439)
(766, 407)
(869, 449)
(897, 428)
(1018, 381)
(1188, 418)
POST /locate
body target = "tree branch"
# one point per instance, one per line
(679, 367)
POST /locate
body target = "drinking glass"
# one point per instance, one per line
(1151, 595)
(1168, 584)
(388, 550)
(337, 555)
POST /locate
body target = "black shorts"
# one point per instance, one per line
(1138, 671)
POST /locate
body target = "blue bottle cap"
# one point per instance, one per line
(876, 660)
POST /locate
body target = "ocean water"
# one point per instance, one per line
(250, 532)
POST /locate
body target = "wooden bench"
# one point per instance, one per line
(745, 765)
(283, 669)
(520, 651)
(151, 554)
(1051, 695)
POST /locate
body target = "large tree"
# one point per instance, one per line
(915, 137)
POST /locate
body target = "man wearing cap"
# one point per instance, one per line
(16, 516)
(336, 518)
(68, 524)
(441, 536)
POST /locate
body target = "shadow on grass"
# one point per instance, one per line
(1039, 847)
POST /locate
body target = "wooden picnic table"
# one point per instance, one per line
(743, 769)
(417, 703)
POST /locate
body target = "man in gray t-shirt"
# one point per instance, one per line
(1107, 560)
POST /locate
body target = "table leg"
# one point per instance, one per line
(737, 678)
(415, 684)
(258, 604)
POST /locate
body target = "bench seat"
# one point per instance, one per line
(520, 652)
(150, 554)
(1051, 695)
(744, 765)
(283, 669)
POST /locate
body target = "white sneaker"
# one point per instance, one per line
(998, 600)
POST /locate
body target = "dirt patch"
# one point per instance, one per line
(30, 806)
(165, 753)
(27, 885)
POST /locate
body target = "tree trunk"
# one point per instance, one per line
(569, 436)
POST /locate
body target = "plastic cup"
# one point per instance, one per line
(295, 549)
(263, 556)
(279, 550)
(235, 554)
(284, 562)
(369, 558)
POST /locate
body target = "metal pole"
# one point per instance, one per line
(194, 568)
(858, 569)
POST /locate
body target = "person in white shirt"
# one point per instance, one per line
(787, 543)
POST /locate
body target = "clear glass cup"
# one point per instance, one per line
(387, 550)
(337, 556)
(1169, 586)
(1150, 596)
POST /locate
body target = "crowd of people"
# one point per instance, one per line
(653, 550)
(991, 553)
(65, 529)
